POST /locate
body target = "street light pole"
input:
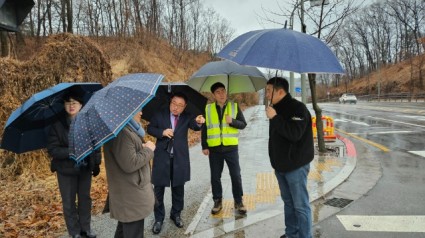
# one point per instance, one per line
(303, 76)
(379, 77)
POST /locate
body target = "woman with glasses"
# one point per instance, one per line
(73, 180)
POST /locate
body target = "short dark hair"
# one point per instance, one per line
(279, 83)
(217, 86)
(180, 95)
(72, 94)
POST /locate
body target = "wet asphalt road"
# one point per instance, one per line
(390, 138)
(388, 179)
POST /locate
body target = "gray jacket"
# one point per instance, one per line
(128, 171)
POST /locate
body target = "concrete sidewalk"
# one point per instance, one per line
(261, 193)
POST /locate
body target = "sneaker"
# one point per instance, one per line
(218, 205)
(240, 208)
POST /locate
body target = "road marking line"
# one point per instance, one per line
(379, 146)
(383, 223)
(418, 152)
(384, 132)
(359, 123)
(195, 221)
(405, 123)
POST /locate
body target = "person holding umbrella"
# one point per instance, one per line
(73, 180)
(131, 197)
(291, 149)
(171, 165)
(224, 119)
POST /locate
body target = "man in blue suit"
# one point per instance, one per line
(171, 164)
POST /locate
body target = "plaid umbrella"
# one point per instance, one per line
(109, 110)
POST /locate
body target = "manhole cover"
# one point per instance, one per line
(338, 202)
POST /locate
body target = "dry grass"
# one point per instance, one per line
(31, 203)
(394, 79)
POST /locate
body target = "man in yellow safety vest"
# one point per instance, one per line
(224, 119)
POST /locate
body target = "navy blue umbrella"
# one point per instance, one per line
(109, 110)
(28, 126)
(282, 49)
(195, 104)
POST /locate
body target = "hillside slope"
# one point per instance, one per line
(403, 77)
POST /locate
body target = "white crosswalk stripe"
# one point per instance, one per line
(383, 223)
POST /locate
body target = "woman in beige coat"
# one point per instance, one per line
(131, 197)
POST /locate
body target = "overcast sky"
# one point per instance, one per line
(244, 14)
(249, 15)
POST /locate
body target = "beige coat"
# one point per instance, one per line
(131, 196)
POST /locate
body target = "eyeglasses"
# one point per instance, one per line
(72, 103)
(174, 104)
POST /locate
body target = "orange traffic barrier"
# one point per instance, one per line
(328, 128)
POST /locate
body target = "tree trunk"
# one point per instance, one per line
(69, 13)
(318, 111)
(4, 44)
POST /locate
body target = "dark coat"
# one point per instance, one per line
(57, 147)
(161, 162)
(290, 135)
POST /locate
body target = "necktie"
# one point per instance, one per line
(176, 118)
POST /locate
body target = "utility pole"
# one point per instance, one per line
(303, 76)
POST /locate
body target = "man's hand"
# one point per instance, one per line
(229, 119)
(168, 133)
(206, 152)
(150, 145)
(270, 112)
(200, 119)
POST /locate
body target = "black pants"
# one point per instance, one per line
(177, 196)
(130, 229)
(217, 160)
(77, 217)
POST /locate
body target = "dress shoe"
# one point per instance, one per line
(283, 236)
(218, 205)
(157, 226)
(177, 221)
(88, 234)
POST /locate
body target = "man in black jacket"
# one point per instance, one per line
(291, 150)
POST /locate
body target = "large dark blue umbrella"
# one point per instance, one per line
(282, 49)
(195, 105)
(28, 126)
(109, 110)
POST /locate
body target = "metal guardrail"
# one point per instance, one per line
(389, 97)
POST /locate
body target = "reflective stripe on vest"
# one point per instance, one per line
(227, 135)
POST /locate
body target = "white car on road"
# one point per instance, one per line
(348, 98)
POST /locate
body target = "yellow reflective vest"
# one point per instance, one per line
(225, 135)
